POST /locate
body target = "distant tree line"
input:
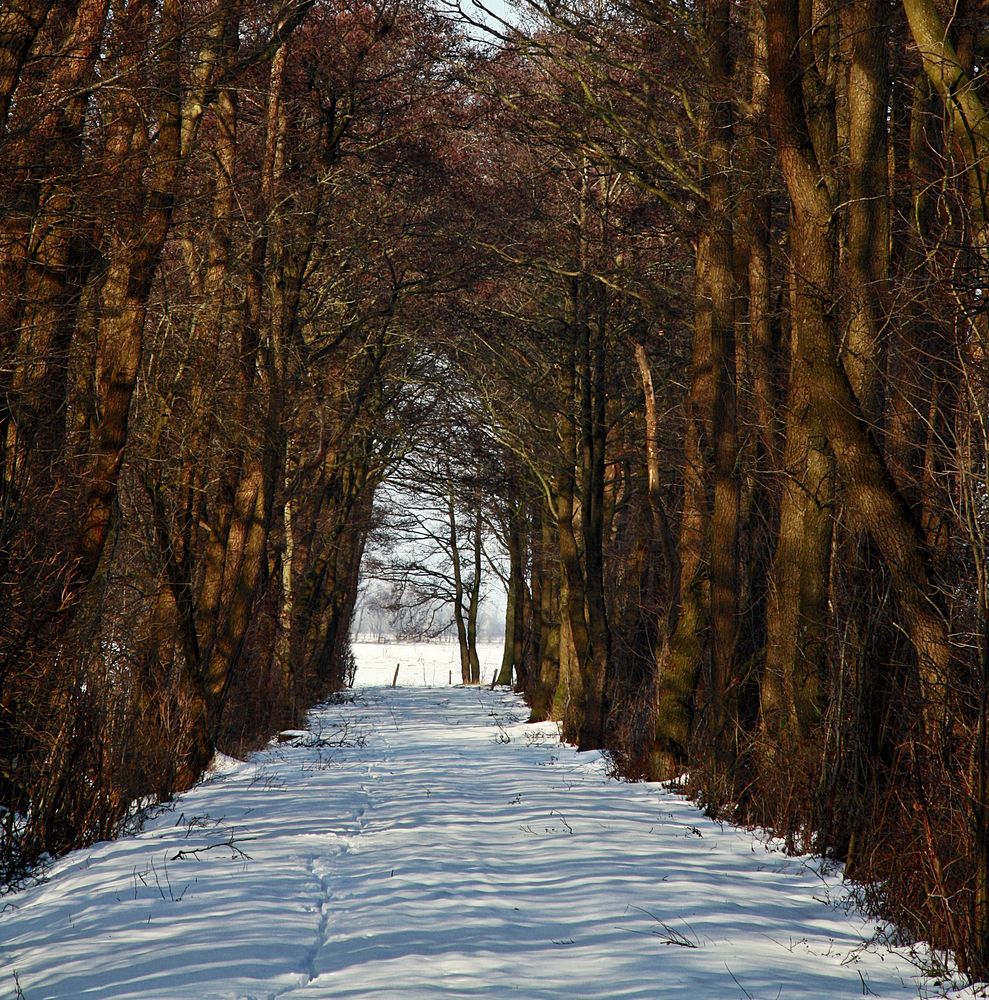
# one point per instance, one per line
(693, 297)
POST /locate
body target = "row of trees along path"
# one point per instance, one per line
(694, 297)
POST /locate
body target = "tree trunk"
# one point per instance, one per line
(657, 508)
(236, 550)
(836, 417)
(573, 585)
(868, 249)
(19, 26)
(514, 609)
(680, 657)
(548, 612)
(723, 544)
(474, 601)
(967, 116)
(593, 401)
(458, 593)
(755, 229)
(132, 248)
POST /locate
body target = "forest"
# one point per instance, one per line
(682, 301)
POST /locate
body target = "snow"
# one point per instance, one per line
(427, 842)
(420, 664)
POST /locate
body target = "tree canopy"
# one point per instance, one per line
(675, 314)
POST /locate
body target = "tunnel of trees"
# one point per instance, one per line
(684, 303)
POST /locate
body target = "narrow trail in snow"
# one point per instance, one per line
(425, 842)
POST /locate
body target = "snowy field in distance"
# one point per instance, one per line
(420, 664)
(423, 843)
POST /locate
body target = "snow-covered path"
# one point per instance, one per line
(424, 842)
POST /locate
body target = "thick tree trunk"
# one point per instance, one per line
(717, 143)
(548, 612)
(19, 26)
(679, 659)
(585, 720)
(657, 507)
(593, 402)
(132, 248)
(967, 115)
(709, 583)
(977, 960)
(914, 386)
(799, 71)
(834, 410)
(332, 597)
(52, 271)
(755, 213)
(868, 248)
